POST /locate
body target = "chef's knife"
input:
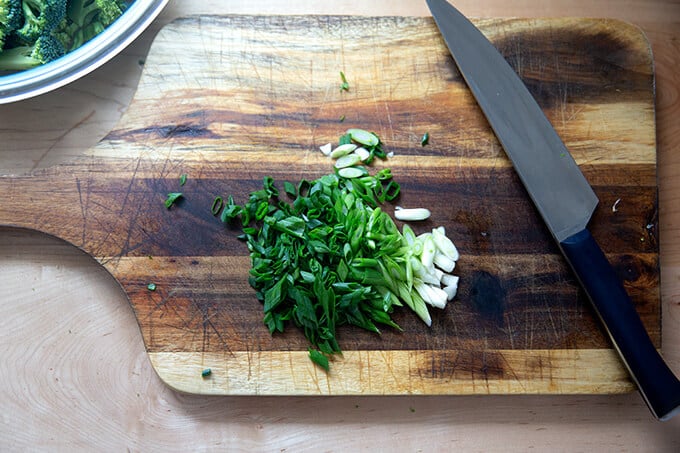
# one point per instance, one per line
(562, 195)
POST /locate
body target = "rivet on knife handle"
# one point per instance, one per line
(562, 196)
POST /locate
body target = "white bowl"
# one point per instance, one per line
(85, 59)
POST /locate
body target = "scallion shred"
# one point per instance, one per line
(344, 86)
(319, 358)
(172, 199)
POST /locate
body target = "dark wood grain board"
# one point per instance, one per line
(229, 100)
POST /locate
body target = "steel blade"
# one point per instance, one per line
(554, 181)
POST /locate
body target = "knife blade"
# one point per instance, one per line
(563, 198)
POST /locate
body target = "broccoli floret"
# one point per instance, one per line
(41, 17)
(45, 49)
(34, 32)
(11, 18)
(85, 19)
(109, 11)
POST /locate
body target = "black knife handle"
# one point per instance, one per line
(656, 382)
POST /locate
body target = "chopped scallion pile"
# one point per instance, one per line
(326, 254)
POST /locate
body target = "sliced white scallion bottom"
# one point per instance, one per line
(444, 262)
(431, 266)
(411, 214)
(343, 150)
(348, 160)
(362, 153)
(351, 172)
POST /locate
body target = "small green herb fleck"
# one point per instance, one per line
(290, 189)
(425, 140)
(342, 118)
(217, 205)
(172, 198)
(207, 372)
(182, 179)
(151, 287)
(345, 85)
(412, 409)
(319, 358)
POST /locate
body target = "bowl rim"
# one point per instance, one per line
(91, 55)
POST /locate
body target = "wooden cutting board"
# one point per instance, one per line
(229, 100)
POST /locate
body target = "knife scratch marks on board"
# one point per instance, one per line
(136, 211)
(509, 369)
(314, 376)
(291, 366)
(250, 359)
(83, 209)
(388, 366)
(518, 54)
(529, 330)
(509, 329)
(369, 380)
(157, 312)
(204, 309)
(555, 331)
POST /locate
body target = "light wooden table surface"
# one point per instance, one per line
(72, 364)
